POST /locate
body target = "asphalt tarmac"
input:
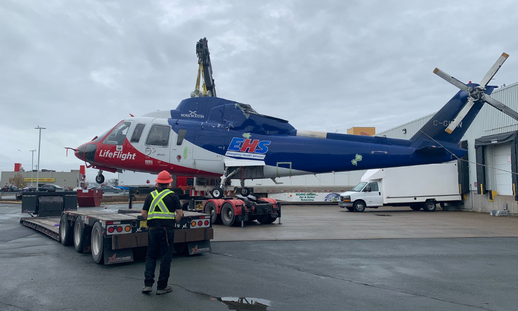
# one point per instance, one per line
(319, 258)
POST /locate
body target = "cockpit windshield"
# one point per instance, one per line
(118, 134)
(359, 187)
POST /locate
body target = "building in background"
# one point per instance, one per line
(72, 179)
(488, 173)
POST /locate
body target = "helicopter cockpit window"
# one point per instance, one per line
(118, 134)
(158, 135)
(135, 138)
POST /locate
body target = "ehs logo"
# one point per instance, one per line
(248, 148)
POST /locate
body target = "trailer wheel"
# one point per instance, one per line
(180, 248)
(359, 206)
(97, 243)
(429, 206)
(227, 214)
(210, 208)
(79, 232)
(65, 231)
(266, 219)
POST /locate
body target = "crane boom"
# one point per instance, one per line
(205, 68)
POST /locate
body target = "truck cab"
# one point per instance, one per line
(365, 194)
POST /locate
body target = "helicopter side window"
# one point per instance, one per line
(158, 135)
(135, 138)
(118, 134)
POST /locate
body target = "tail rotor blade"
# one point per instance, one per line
(498, 105)
(491, 73)
(452, 80)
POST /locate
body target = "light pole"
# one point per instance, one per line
(39, 149)
(32, 165)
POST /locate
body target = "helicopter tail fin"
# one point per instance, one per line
(438, 129)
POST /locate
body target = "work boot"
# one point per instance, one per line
(147, 289)
(166, 290)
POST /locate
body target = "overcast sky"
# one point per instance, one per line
(77, 67)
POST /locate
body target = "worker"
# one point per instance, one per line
(162, 209)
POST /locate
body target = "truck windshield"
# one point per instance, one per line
(359, 187)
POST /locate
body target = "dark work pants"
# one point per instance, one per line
(160, 246)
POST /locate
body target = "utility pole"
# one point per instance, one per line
(32, 165)
(39, 149)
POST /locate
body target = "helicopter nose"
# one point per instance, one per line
(80, 152)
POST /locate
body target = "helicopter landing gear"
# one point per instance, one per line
(218, 192)
(100, 177)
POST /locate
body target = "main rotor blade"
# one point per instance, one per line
(498, 105)
(451, 79)
(491, 73)
(453, 125)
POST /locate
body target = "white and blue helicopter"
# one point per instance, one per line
(215, 137)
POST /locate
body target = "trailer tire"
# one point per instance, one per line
(79, 235)
(65, 231)
(97, 243)
(210, 208)
(266, 219)
(228, 216)
(180, 248)
(429, 206)
(359, 206)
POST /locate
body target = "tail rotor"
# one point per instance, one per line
(476, 93)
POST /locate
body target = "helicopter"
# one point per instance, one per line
(208, 136)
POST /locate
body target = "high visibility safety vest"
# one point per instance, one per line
(158, 201)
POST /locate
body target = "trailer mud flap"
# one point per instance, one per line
(198, 247)
(116, 256)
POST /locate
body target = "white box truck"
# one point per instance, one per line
(419, 186)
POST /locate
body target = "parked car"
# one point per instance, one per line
(51, 188)
(109, 189)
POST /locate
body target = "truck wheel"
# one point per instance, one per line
(79, 237)
(65, 231)
(210, 208)
(266, 219)
(429, 206)
(415, 207)
(97, 243)
(227, 214)
(217, 193)
(359, 206)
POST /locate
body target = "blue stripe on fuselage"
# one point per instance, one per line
(340, 152)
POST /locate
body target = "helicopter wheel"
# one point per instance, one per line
(217, 193)
(99, 178)
(245, 191)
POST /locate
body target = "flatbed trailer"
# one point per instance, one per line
(112, 237)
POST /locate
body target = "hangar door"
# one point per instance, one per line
(496, 162)
(502, 169)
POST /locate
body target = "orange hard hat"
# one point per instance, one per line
(164, 178)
